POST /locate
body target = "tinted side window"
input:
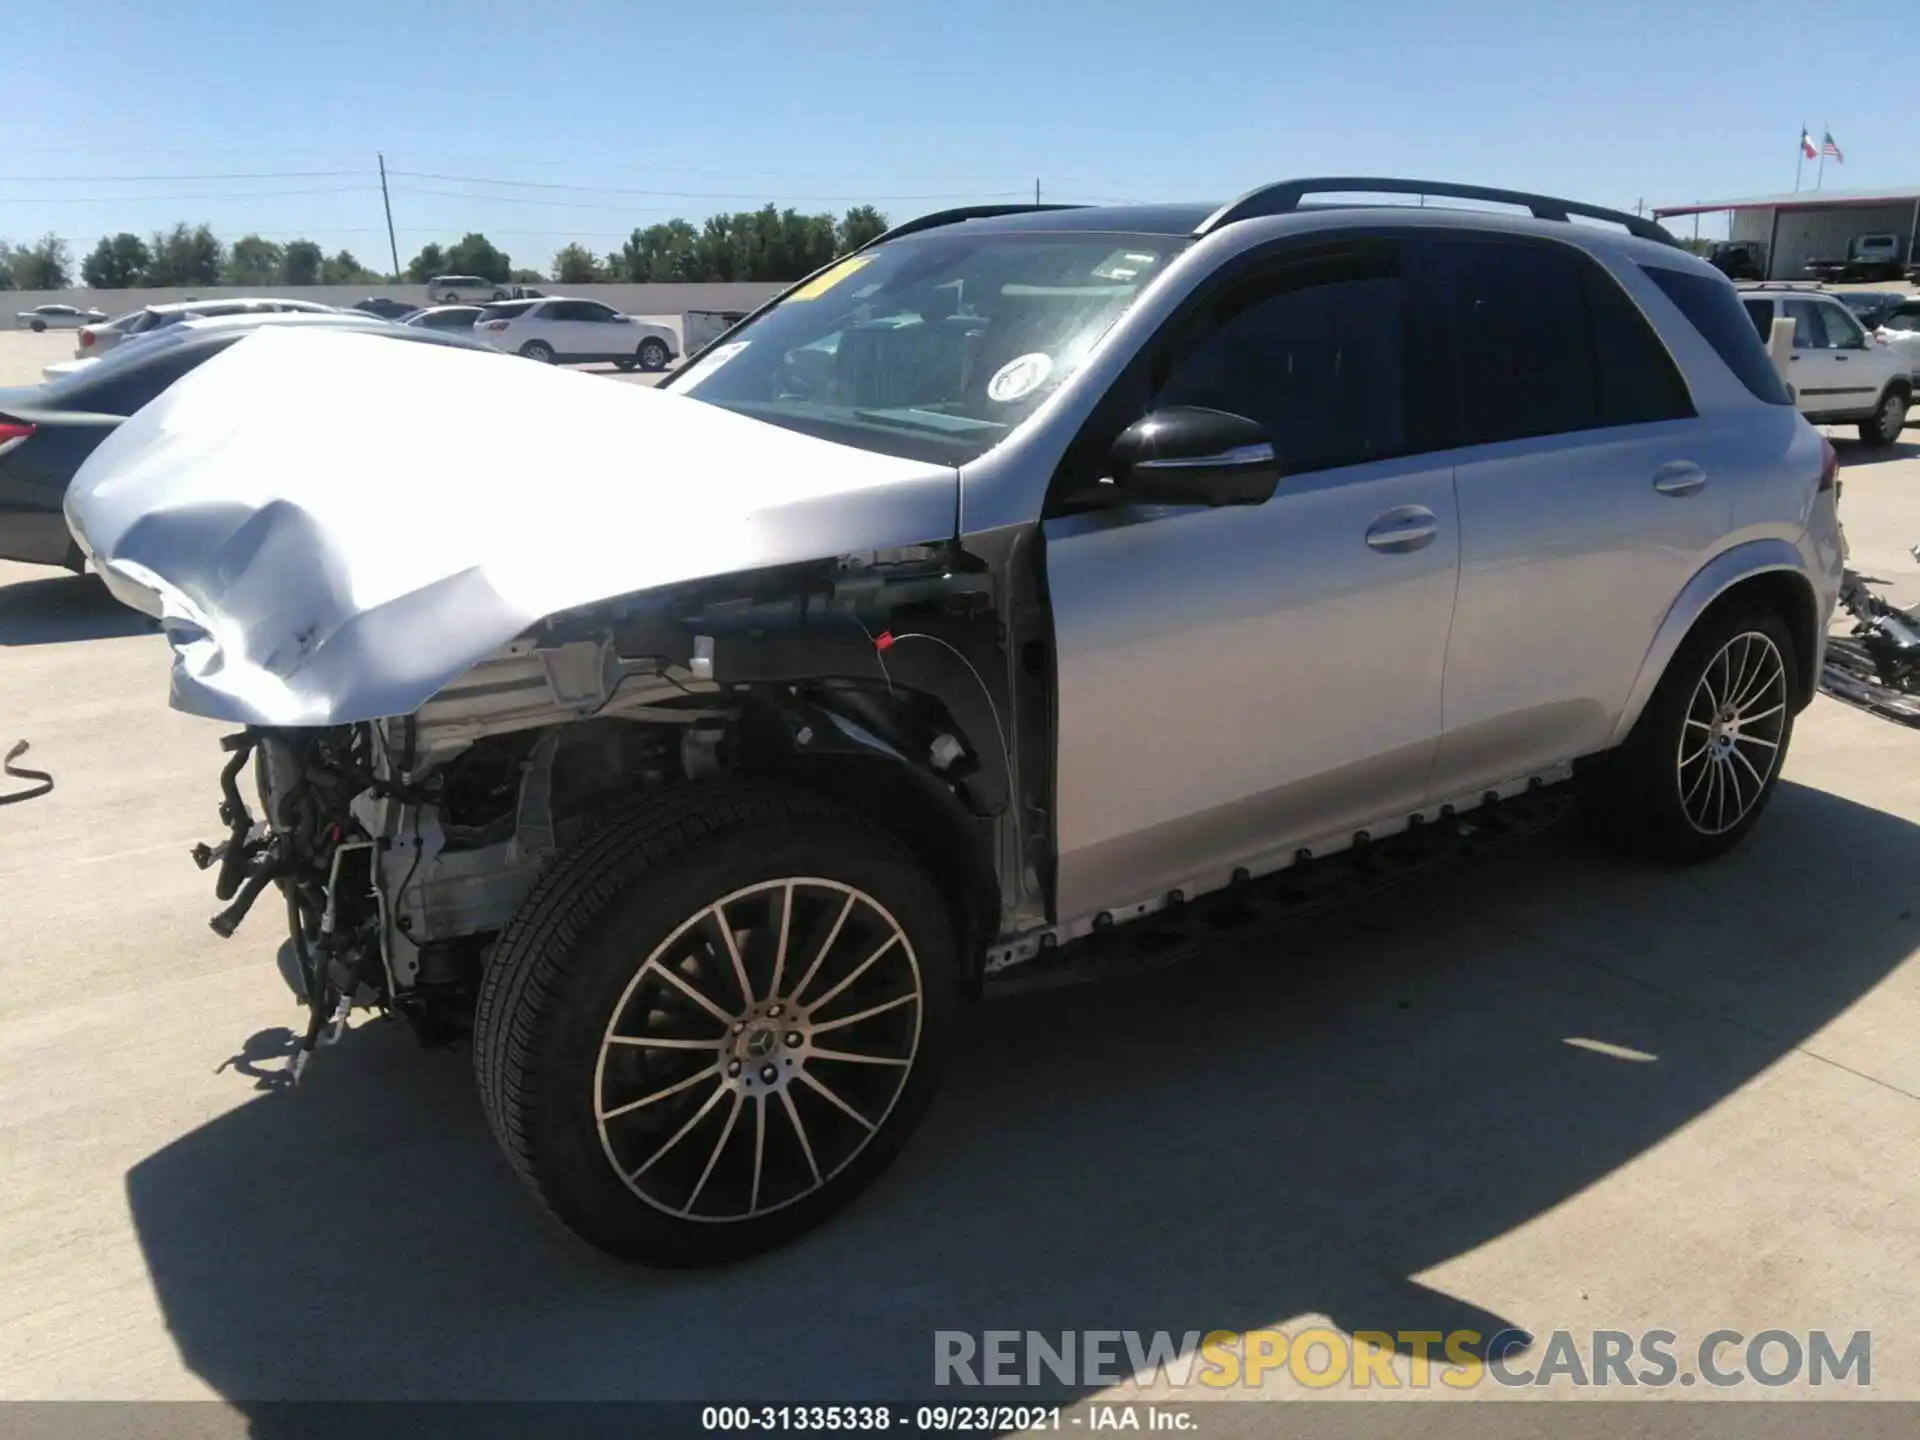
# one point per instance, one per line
(1712, 306)
(1315, 355)
(1761, 313)
(1638, 380)
(1808, 332)
(1523, 349)
(1843, 331)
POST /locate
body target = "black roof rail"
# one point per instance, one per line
(929, 221)
(954, 216)
(1284, 197)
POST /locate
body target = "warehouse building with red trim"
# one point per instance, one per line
(1807, 224)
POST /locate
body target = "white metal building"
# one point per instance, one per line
(1809, 224)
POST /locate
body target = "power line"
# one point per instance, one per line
(158, 179)
(686, 194)
(45, 200)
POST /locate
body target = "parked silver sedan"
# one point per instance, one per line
(56, 317)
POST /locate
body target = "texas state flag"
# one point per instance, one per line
(1807, 147)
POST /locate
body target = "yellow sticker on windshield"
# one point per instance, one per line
(828, 278)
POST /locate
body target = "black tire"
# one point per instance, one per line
(625, 362)
(1889, 419)
(652, 354)
(538, 350)
(574, 962)
(36, 326)
(1639, 797)
(499, 294)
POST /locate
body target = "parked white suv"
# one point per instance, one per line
(452, 289)
(566, 331)
(1899, 331)
(1839, 375)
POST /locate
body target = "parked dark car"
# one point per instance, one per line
(1739, 259)
(385, 308)
(46, 431)
(1870, 307)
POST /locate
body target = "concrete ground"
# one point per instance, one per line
(1550, 1090)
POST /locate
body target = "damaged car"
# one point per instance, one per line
(1021, 579)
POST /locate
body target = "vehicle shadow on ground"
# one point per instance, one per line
(1854, 452)
(65, 607)
(1290, 1126)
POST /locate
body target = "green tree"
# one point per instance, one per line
(253, 261)
(523, 276)
(431, 261)
(44, 265)
(346, 269)
(300, 263)
(574, 264)
(661, 253)
(184, 256)
(116, 262)
(476, 255)
(859, 225)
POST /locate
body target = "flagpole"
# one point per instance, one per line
(1820, 173)
(1799, 156)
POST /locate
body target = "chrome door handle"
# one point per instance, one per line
(1402, 529)
(1679, 477)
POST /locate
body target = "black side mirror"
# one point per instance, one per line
(1186, 455)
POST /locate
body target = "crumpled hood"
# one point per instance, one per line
(332, 526)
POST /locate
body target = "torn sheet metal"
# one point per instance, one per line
(331, 527)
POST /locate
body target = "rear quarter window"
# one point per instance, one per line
(1712, 306)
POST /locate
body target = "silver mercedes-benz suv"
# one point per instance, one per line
(1028, 579)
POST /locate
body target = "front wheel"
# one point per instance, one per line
(715, 1022)
(653, 354)
(1889, 420)
(37, 326)
(1702, 762)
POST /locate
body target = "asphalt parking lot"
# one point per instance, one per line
(1551, 1090)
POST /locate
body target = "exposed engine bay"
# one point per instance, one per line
(401, 847)
(1877, 665)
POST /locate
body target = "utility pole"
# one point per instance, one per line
(393, 246)
(1821, 173)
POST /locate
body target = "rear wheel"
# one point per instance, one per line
(538, 350)
(653, 354)
(716, 1021)
(1704, 758)
(499, 294)
(1889, 420)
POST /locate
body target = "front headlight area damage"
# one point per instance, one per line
(402, 847)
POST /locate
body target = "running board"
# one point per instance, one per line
(1255, 905)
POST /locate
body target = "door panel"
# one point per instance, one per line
(1237, 682)
(1242, 680)
(1574, 542)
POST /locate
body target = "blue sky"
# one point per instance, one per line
(729, 103)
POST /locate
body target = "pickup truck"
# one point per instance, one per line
(1880, 256)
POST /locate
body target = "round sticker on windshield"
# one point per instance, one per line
(1020, 377)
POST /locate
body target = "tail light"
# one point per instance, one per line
(493, 324)
(1829, 469)
(12, 432)
(86, 338)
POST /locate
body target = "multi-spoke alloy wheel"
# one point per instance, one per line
(716, 1019)
(1730, 739)
(1704, 757)
(758, 1049)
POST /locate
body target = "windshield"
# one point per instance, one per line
(935, 347)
